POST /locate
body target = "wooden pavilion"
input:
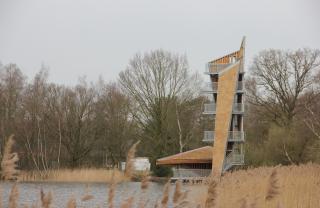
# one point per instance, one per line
(191, 164)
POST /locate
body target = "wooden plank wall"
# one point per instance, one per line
(226, 91)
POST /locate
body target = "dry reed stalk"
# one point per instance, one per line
(128, 203)
(273, 186)
(177, 192)
(111, 193)
(129, 163)
(46, 199)
(71, 203)
(212, 194)
(14, 195)
(165, 195)
(9, 160)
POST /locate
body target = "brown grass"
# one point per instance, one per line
(297, 186)
(75, 175)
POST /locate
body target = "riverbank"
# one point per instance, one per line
(85, 175)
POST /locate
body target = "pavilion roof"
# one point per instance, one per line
(200, 155)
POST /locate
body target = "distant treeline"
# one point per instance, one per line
(157, 100)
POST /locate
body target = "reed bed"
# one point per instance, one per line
(264, 187)
(75, 175)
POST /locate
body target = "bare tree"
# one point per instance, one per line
(279, 78)
(153, 82)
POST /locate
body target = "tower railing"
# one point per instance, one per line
(236, 136)
(211, 87)
(238, 107)
(208, 136)
(233, 159)
(233, 136)
(210, 108)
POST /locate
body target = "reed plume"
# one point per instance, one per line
(129, 163)
(71, 203)
(128, 203)
(273, 186)
(46, 199)
(9, 160)
(14, 195)
(165, 195)
(211, 195)
(177, 192)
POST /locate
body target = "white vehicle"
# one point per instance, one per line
(139, 164)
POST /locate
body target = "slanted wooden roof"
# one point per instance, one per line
(200, 155)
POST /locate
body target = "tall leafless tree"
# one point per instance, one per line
(153, 81)
(279, 78)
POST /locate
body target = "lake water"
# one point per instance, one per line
(29, 193)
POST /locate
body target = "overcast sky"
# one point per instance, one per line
(98, 37)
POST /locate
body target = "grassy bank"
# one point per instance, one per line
(73, 175)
